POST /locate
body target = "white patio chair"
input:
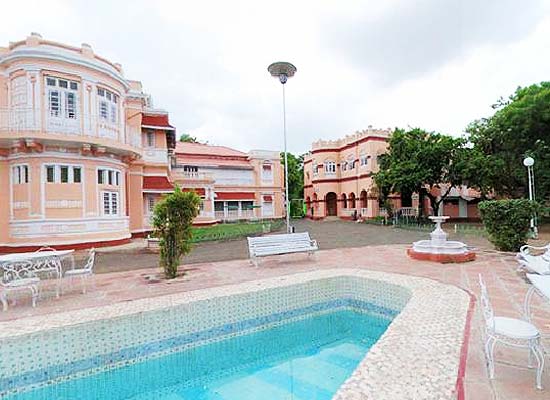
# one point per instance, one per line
(510, 332)
(534, 263)
(83, 273)
(18, 276)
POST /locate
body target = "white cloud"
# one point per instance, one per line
(359, 63)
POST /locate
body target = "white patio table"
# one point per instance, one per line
(43, 261)
(539, 284)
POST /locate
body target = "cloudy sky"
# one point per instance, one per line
(435, 64)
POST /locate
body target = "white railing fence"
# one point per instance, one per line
(29, 120)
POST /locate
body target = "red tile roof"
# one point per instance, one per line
(235, 196)
(157, 121)
(157, 183)
(207, 150)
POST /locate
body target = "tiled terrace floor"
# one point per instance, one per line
(506, 288)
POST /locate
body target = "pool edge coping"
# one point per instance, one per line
(412, 283)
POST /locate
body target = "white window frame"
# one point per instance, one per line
(20, 174)
(64, 108)
(107, 104)
(111, 208)
(267, 177)
(152, 135)
(110, 176)
(151, 203)
(332, 169)
(57, 172)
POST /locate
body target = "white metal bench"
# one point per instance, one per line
(263, 246)
(152, 241)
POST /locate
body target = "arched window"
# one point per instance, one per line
(352, 200)
(351, 162)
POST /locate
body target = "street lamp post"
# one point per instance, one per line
(283, 71)
(529, 162)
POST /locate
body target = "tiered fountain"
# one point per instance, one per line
(439, 249)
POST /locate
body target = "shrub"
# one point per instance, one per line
(173, 219)
(507, 222)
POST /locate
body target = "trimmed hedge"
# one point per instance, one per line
(507, 222)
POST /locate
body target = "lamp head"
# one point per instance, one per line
(282, 70)
(528, 161)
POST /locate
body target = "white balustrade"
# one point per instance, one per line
(155, 155)
(35, 120)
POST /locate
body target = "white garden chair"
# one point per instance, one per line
(83, 273)
(534, 263)
(510, 332)
(18, 276)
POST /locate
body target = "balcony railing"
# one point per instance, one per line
(155, 155)
(233, 215)
(17, 120)
(179, 173)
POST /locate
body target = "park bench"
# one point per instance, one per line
(263, 246)
(152, 241)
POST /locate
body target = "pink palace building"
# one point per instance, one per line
(84, 156)
(338, 181)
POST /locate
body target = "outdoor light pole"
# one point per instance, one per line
(283, 71)
(529, 162)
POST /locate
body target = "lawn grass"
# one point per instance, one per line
(235, 230)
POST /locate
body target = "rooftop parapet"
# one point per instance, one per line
(351, 138)
(86, 51)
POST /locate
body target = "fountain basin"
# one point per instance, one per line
(438, 248)
(450, 252)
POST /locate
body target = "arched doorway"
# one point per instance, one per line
(363, 197)
(344, 201)
(352, 200)
(330, 204)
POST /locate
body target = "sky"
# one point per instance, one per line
(433, 64)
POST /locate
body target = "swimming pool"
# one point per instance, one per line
(308, 358)
(304, 336)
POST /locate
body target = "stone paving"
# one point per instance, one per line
(330, 234)
(506, 288)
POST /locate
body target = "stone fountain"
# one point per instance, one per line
(438, 248)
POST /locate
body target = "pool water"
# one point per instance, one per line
(308, 358)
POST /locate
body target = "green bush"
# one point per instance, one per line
(507, 222)
(172, 220)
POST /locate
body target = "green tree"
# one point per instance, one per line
(172, 220)
(421, 161)
(295, 175)
(519, 127)
(185, 137)
(295, 179)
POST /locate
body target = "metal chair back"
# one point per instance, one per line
(487, 308)
(16, 270)
(89, 266)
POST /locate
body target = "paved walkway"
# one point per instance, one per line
(506, 288)
(329, 234)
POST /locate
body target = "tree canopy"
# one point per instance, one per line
(520, 127)
(420, 161)
(295, 175)
(187, 138)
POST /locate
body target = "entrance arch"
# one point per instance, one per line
(363, 197)
(331, 204)
(352, 200)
